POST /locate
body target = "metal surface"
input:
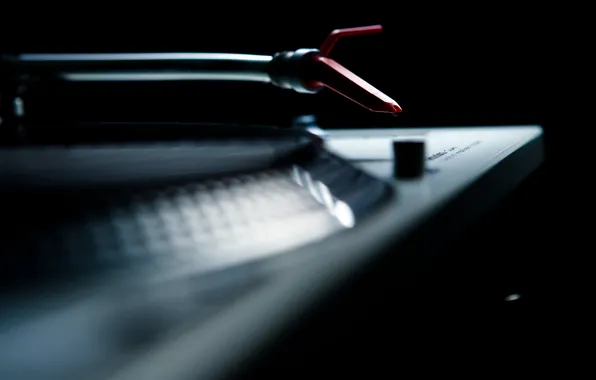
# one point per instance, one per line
(146, 66)
(301, 280)
(113, 266)
(205, 324)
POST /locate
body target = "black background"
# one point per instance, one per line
(446, 65)
(475, 67)
(489, 65)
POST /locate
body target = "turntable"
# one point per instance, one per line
(178, 250)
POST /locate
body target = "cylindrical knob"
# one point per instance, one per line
(409, 157)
